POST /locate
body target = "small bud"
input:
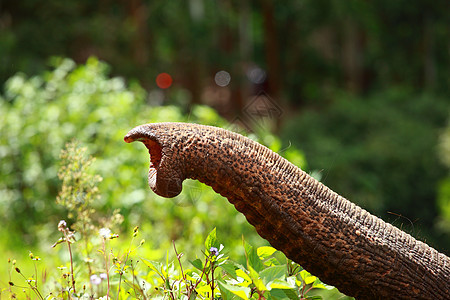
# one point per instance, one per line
(142, 242)
(113, 236)
(11, 283)
(17, 270)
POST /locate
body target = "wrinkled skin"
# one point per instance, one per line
(332, 238)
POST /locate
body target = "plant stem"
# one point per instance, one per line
(71, 261)
(123, 268)
(179, 260)
(106, 267)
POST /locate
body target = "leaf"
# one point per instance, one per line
(154, 266)
(197, 264)
(193, 295)
(253, 259)
(284, 294)
(320, 285)
(273, 273)
(167, 282)
(280, 284)
(211, 240)
(272, 262)
(307, 277)
(265, 251)
(240, 291)
(256, 279)
(243, 275)
(229, 269)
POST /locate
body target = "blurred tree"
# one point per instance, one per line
(380, 153)
(443, 201)
(308, 48)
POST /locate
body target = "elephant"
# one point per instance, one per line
(329, 236)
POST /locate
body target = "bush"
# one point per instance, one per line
(98, 268)
(43, 113)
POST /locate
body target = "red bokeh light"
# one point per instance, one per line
(164, 80)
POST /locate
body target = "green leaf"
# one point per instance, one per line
(281, 294)
(243, 275)
(229, 269)
(167, 282)
(154, 266)
(265, 251)
(320, 285)
(307, 277)
(193, 295)
(253, 259)
(197, 264)
(211, 240)
(256, 279)
(240, 291)
(280, 284)
(273, 273)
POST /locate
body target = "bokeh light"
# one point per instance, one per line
(222, 78)
(164, 80)
(256, 75)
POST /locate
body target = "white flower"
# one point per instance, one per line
(95, 279)
(105, 233)
(62, 225)
(103, 276)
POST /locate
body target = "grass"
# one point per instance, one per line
(97, 263)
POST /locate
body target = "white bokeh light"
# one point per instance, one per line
(256, 75)
(222, 78)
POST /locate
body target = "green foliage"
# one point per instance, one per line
(95, 268)
(381, 152)
(329, 45)
(444, 186)
(43, 113)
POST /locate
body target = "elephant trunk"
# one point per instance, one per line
(334, 239)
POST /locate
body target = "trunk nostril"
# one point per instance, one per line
(155, 151)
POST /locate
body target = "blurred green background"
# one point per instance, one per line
(358, 89)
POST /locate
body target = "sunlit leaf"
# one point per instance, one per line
(307, 277)
(240, 291)
(265, 251)
(211, 240)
